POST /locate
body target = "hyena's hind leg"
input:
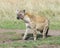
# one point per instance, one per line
(34, 34)
(45, 31)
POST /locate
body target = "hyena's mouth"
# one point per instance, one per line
(17, 17)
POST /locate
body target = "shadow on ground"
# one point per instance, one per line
(30, 36)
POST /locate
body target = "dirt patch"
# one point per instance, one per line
(51, 32)
(47, 46)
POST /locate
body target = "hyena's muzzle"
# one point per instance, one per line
(20, 14)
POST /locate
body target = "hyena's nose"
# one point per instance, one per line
(17, 17)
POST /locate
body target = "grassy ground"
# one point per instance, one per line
(18, 24)
(7, 24)
(12, 40)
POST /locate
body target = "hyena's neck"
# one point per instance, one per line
(27, 19)
(29, 15)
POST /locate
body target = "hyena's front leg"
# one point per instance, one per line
(27, 30)
(47, 31)
(25, 34)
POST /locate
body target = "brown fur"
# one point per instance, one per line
(41, 20)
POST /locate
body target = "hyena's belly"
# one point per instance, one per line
(40, 27)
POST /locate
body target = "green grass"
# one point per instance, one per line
(18, 24)
(12, 24)
(55, 25)
(31, 43)
(14, 40)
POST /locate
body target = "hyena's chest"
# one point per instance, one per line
(40, 26)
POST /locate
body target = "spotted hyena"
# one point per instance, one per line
(33, 22)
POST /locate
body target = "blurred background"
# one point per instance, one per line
(48, 8)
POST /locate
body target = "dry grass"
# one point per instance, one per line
(49, 8)
(41, 7)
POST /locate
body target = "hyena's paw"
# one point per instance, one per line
(44, 37)
(35, 39)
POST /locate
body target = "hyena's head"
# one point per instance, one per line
(20, 14)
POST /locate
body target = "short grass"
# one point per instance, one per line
(7, 36)
(12, 40)
(12, 24)
(18, 24)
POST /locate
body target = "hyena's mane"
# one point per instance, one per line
(31, 16)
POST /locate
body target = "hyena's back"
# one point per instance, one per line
(40, 22)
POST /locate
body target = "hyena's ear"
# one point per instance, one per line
(17, 11)
(24, 11)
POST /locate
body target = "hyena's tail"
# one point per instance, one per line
(47, 32)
